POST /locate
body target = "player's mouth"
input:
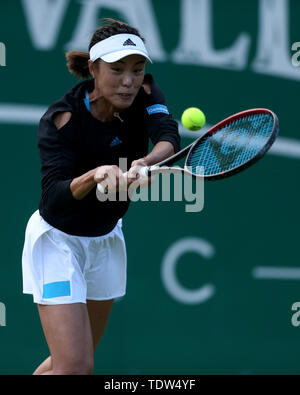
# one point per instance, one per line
(125, 95)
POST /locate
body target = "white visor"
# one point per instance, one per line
(117, 47)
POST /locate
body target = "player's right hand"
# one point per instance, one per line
(111, 177)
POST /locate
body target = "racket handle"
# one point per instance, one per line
(143, 172)
(100, 188)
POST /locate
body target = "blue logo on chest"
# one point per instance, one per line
(116, 141)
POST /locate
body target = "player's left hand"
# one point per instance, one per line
(134, 176)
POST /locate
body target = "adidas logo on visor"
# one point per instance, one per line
(128, 42)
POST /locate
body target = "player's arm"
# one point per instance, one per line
(81, 186)
(161, 151)
(162, 129)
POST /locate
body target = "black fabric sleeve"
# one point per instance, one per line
(58, 159)
(160, 126)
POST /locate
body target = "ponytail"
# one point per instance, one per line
(77, 63)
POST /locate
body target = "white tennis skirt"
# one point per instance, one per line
(59, 268)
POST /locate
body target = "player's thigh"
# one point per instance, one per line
(68, 333)
(99, 311)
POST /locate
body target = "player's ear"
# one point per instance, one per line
(93, 67)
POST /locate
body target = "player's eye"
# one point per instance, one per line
(116, 69)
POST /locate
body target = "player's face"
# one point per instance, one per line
(119, 82)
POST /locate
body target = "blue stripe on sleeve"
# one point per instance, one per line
(157, 108)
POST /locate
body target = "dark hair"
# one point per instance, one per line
(77, 61)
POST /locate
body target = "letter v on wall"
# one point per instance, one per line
(44, 19)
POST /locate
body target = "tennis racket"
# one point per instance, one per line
(228, 148)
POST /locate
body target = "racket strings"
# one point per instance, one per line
(231, 145)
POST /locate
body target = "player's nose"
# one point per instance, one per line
(127, 80)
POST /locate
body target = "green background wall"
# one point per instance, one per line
(249, 224)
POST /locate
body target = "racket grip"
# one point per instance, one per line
(100, 188)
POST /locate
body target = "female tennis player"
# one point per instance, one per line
(74, 256)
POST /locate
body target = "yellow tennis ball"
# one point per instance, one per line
(193, 119)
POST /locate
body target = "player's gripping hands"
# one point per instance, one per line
(134, 175)
(113, 177)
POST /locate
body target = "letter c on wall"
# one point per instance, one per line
(168, 270)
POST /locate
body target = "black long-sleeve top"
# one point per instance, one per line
(85, 143)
